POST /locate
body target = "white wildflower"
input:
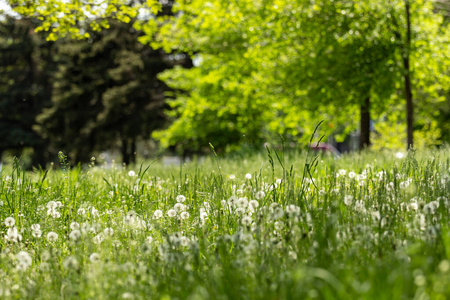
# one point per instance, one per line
(94, 257)
(74, 225)
(184, 215)
(52, 236)
(260, 195)
(9, 221)
(181, 198)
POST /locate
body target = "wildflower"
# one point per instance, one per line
(171, 213)
(12, 235)
(37, 233)
(74, 225)
(157, 214)
(232, 200)
(52, 236)
(94, 257)
(352, 174)
(348, 200)
(184, 215)
(75, 235)
(9, 221)
(81, 211)
(246, 221)
(71, 263)
(94, 212)
(342, 172)
(260, 195)
(35, 227)
(131, 173)
(179, 207)
(248, 176)
(242, 202)
(292, 209)
(108, 231)
(24, 257)
(98, 238)
(51, 205)
(181, 198)
(232, 177)
(253, 204)
(21, 266)
(279, 225)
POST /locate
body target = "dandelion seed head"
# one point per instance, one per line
(171, 213)
(9, 222)
(260, 195)
(94, 257)
(71, 263)
(246, 221)
(108, 231)
(179, 207)
(253, 204)
(74, 225)
(184, 215)
(248, 176)
(131, 173)
(35, 227)
(181, 198)
(75, 235)
(52, 236)
(37, 233)
(157, 214)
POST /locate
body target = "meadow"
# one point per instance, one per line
(274, 225)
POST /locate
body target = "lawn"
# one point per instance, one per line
(268, 226)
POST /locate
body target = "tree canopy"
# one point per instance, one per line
(264, 68)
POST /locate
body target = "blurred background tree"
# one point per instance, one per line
(259, 69)
(26, 65)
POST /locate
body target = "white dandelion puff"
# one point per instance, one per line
(260, 195)
(181, 198)
(157, 214)
(108, 231)
(74, 225)
(94, 257)
(75, 235)
(171, 213)
(184, 215)
(52, 236)
(9, 222)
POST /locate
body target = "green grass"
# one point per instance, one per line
(367, 226)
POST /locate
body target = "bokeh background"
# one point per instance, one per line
(143, 79)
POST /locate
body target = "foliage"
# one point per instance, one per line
(106, 94)
(25, 68)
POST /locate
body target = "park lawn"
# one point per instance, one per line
(266, 226)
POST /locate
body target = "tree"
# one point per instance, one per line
(301, 59)
(25, 65)
(105, 93)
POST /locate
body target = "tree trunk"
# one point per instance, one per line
(133, 151)
(124, 150)
(364, 137)
(407, 78)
